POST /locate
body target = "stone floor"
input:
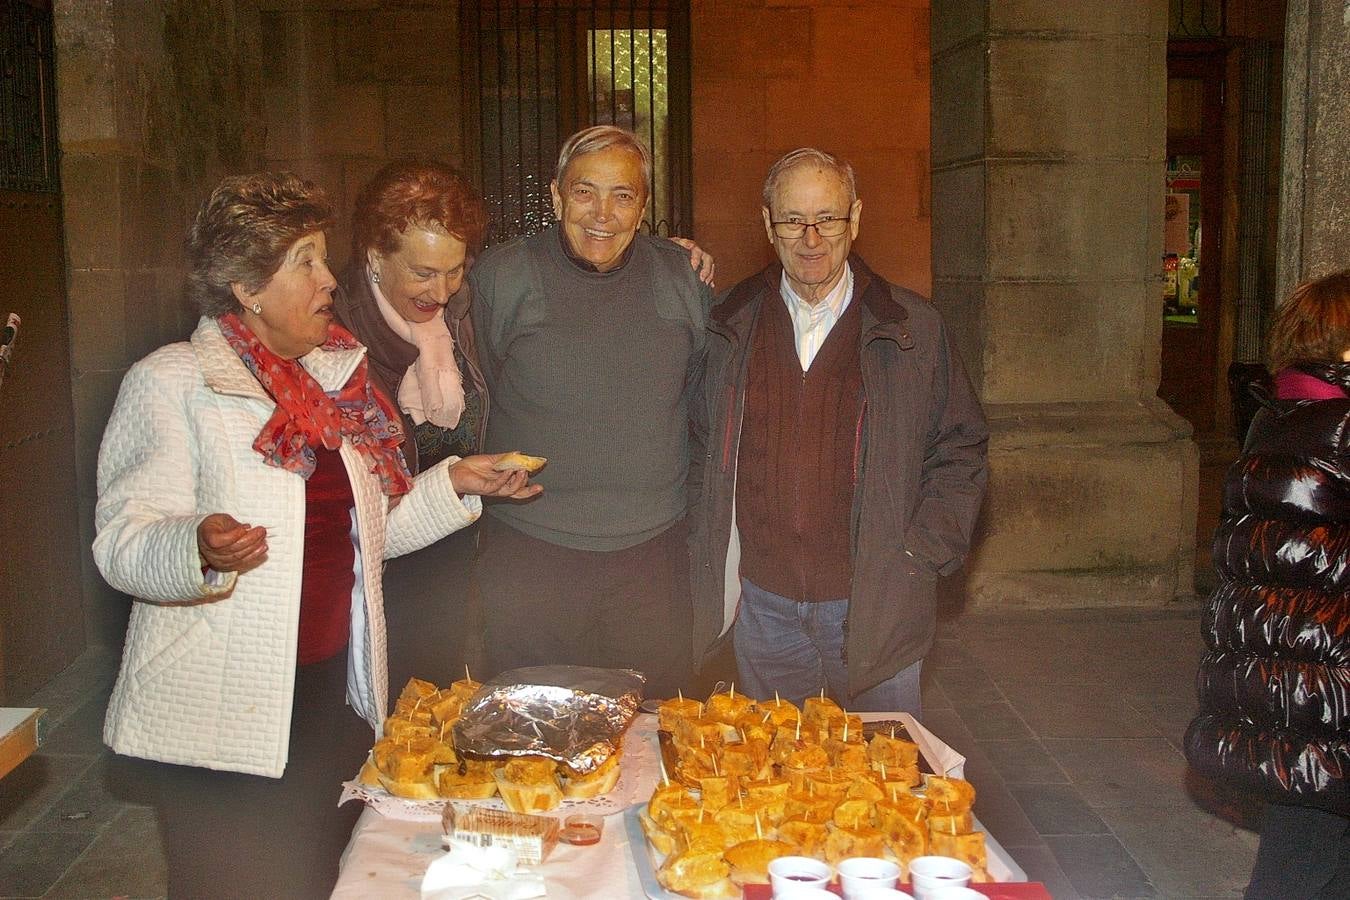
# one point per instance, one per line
(1071, 722)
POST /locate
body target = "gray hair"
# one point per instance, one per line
(242, 232)
(602, 137)
(806, 156)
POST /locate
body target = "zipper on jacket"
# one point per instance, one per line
(730, 393)
(857, 441)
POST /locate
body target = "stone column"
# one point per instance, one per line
(1315, 183)
(1048, 125)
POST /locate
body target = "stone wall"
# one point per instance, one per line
(348, 86)
(846, 77)
(157, 99)
(1315, 193)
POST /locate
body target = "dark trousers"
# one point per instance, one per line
(1304, 855)
(549, 605)
(227, 834)
(432, 614)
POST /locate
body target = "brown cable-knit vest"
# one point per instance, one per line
(794, 470)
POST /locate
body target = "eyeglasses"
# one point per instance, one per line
(828, 226)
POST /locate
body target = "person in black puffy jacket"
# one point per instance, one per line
(1274, 688)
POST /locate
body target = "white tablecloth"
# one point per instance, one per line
(387, 857)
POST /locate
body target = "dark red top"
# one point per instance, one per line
(330, 558)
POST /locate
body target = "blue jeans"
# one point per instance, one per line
(797, 649)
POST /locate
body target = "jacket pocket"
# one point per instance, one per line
(176, 649)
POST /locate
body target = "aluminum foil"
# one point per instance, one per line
(572, 714)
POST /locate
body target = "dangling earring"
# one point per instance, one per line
(257, 308)
(375, 275)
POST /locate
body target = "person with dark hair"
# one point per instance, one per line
(1274, 686)
(251, 484)
(591, 334)
(845, 463)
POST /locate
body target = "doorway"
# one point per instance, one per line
(1193, 290)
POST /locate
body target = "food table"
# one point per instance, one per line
(387, 856)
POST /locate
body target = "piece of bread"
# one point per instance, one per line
(412, 789)
(807, 836)
(968, 847)
(529, 785)
(690, 870)
(749, 860)
(950, 822)
(674, 709)
(661, 840)
(370, 773)
(592, 784)
(841, 843)
(947, 795)
(466, 782)
(517, 461)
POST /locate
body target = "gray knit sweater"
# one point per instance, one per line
(591, 370)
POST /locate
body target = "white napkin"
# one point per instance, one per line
(468, 871)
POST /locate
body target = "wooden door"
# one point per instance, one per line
(1193, 291)
(41, 612)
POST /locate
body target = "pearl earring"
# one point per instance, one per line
(257, 308)
(375, 275)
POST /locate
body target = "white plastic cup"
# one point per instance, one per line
(883, 893)
(859, 872)
(791, 874)
(806, 892)
(927, 873)
(956, 893)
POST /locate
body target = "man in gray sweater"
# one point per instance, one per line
(591, 337)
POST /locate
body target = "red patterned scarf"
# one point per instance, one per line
(306, 416)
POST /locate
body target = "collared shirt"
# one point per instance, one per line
(812, 324)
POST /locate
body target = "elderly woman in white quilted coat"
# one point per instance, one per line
(251, 484)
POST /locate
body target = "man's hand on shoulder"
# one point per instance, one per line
(699, 259)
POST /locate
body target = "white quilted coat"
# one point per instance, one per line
(208, 668)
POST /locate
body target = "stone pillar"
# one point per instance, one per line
(1048, 128)
(1315, 183)
(155, 101)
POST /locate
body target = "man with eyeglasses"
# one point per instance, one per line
(845, 460)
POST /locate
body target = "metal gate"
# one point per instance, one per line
(535, 72)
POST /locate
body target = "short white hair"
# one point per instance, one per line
(602, 137)
(804, 156)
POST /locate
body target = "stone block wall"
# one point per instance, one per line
(157, 99)
(348, 85)
(850, 78)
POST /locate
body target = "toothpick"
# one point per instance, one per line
(732, 692)
(680, 693)
(714, 762)
(777, 701)
(443, 724)
(883, 771)
(892, 732)
(416, 706)
(759, 831)
(893, 793)
(822, 693)
(466, 673)
(701, 743)
(845, 727)
(665, 778)
(700, 815)
(799, 730)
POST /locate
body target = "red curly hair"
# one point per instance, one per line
(416, 191)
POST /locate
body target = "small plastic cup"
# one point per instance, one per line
(806, 893)
(883, 893)
(582, 829)
(927, 873)
(859, 872)
(789, 874)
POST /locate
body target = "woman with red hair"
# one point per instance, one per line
(415, 228)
